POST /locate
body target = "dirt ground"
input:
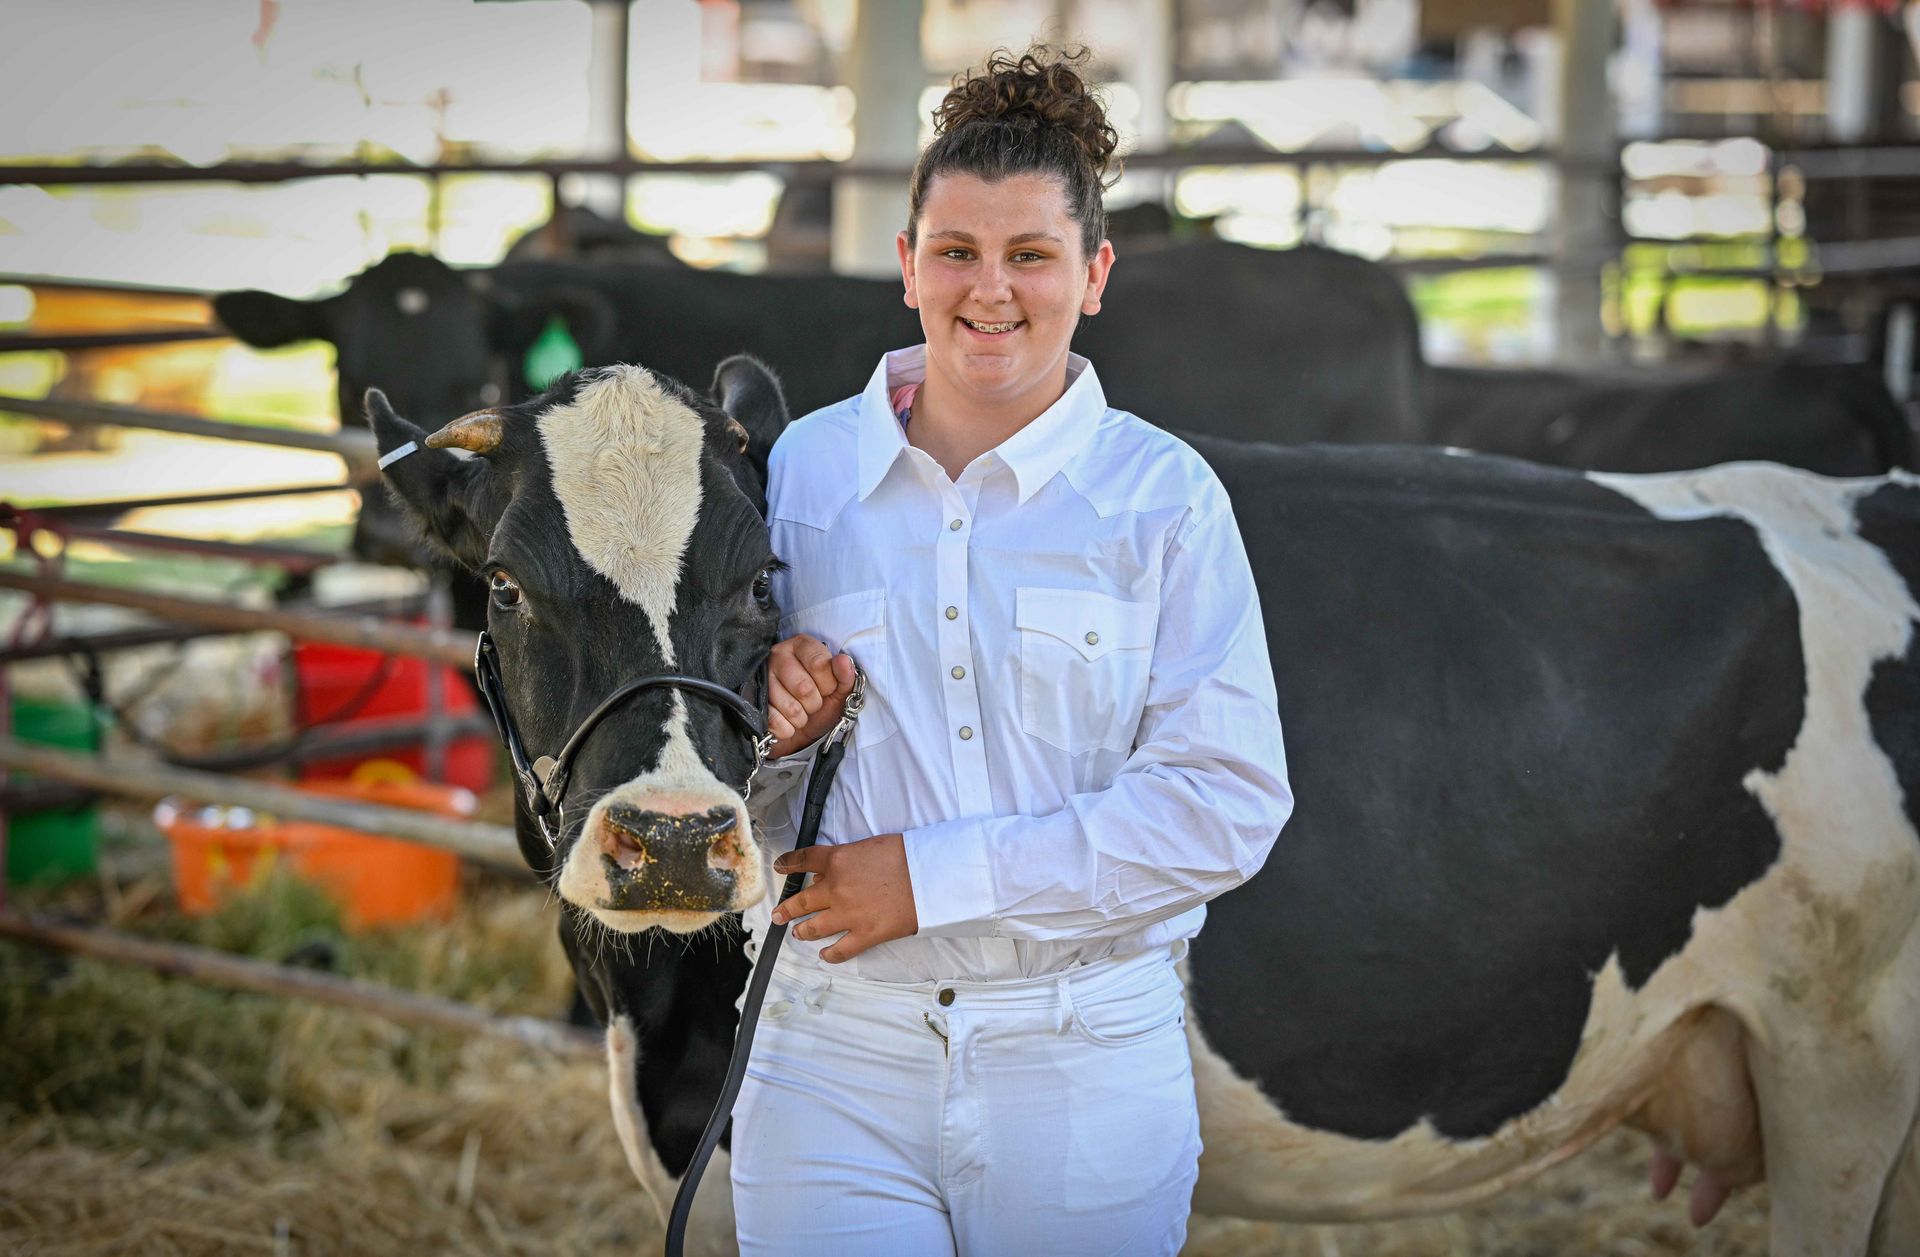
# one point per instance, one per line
(140, 1115)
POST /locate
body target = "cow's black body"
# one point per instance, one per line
(1835, 419)
(1519, 712)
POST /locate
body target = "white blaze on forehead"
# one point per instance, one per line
(626, 467)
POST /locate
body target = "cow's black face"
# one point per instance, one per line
(619, 526)
(410, 326)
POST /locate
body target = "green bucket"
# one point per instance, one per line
(56, 844)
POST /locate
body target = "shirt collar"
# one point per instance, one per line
(1034, 453)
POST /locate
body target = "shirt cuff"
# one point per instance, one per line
(776, 778)
(952, 879)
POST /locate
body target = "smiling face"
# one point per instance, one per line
(1000, 278)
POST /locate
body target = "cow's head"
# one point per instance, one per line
(618, 520)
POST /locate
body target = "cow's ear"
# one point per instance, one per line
(447, 495)
(267, 320)
(748, 390)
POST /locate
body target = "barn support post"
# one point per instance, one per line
(1588, 177)
(1860, 89)
(605, 195)
(490, 844)
(1148, 65)
(887, 73)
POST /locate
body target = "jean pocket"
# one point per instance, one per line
(1134, 1016)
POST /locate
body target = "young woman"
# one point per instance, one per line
(974, 1041)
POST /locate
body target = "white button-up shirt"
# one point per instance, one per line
(1070, 712)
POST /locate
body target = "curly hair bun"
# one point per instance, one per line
(1042, 87)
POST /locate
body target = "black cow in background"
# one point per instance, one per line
(425, 333)
(1285, 346)
(1324, 339)
(1836, 419)
(1327, 340)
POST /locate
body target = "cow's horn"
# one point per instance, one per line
(479, 432)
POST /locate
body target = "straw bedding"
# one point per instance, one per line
(142, 1116)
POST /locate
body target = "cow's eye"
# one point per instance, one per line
(763, 587)
(504, 590)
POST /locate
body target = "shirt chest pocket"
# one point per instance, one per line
(855, 623)
(1085, 659)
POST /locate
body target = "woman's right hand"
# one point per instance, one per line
(807, 688)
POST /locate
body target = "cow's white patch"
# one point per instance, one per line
(625, 457)
(623, 1059)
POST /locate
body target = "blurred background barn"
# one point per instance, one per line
(1673, 209)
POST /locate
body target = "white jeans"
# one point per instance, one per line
(1043, 1117)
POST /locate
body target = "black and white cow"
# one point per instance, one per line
(1608, 789)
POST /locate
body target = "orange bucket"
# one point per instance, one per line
(376, 881)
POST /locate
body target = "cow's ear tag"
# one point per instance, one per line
(554, 352)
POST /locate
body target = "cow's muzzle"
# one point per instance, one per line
(668, 860)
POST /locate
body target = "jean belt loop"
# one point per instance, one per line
(816, 993)
(1177, 950)
(1067, 1013)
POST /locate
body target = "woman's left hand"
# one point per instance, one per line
(862, 888)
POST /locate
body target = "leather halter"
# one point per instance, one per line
(545, 779)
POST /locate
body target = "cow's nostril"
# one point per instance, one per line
(622, 838)
(724, 851)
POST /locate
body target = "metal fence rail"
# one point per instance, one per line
(240, 973)
(436, 645)
(490, 844)
(28, 342)
(356, 445)
(116, 507)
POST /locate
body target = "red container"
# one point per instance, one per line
(335, 681)
(376, 881)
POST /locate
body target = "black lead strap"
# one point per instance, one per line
(833, 748)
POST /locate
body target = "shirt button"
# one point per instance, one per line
(959, 673)
(1093, 638)
(966, 733)
(953, 613)
(946, 997)
(954, 526)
